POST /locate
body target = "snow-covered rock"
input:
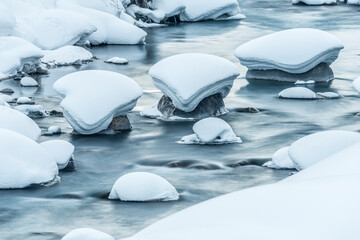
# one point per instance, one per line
(211, 131)
(168, 7)
(109, 94)
(18, 55)
(28, 82)
(61, 150)
(301, 82)
(24, 100)
(23, 161)
(280, 160)
(328, 95)
(7, 20)
(315, 2)
(354, 2)
(356, 84)
(142, 187)
(297, 93)
(189, 78)
(155, 16)
(18, 122)
(67, 55)
(54, 129)
(33, 111)
(6, 98)
(117, 60)
(315, 147)
(87, 234)
(207, 10)
(294, 50)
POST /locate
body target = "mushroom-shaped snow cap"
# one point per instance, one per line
(190, 77)
(23, 161)
(142, 187)
(295, 50)
(93, 98)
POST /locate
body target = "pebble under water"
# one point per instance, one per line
(198, 172)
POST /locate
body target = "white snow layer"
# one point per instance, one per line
(315, 2)
(109, 94)
(356, 84)
(189, 78)
(294, 50)
(28, 82)
(17, 55)
(143, 186)
(117, 60)
(61, 150)
(280, 160)
(297, 93)
(211, 131)
(67, 55)
(87, 234)
(18, 122)
(23, 161)
(315, 147)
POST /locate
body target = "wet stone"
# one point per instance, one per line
(120, 123)
(7, 91)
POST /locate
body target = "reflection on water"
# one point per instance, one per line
(198, 172)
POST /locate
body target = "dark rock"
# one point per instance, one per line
(70, 166)
(209, 106)
(55, 113)
(320, 73)
(7, 91)
(248, 110)
(120, 123)
(48, 134)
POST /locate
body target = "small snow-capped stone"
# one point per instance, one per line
(28, 82)
(297, 93)
(117, 60)
(280, 160)
(24, 100)
(300, 82)
(61, 150)
(142, 187)
(328, 95)
(67, 55)
(6, 98)
(54, 129)
(33, 111)
(87, 234)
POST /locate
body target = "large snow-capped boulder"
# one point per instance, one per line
(211, 131)
(18, 122)
(87, 234)
(109, 94)
(23, 161)
(208, 10)
(143, 187)
(67, 55)
(189, 78)
(110, 29)
(315, 147)
(61, 150)
(18, 55)
(356, 84)
(7, 20)
(315, 2)
(280, 160)
(294, 50)
(297, 93)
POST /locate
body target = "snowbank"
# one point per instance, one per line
(211, 131)
(294, 50)
(23, 161)
(109, 94)
(297, 93)
(280, 160)
(18, 122)
(142, 187)
(67, 55)
(88, 234)
(61, 150)
(189, 78)
(18, 55)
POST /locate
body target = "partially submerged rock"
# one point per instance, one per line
(117, 60)
(315, 2)
(297, 93)
(67, 55)
(33, 111)
(24, 100)
(211, 131)
(28, 82)
(143, 187)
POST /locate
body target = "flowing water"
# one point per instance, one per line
(198, 172)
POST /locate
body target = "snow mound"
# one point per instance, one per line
(68, 55)
(18, 122)
(211, 131)
(6, 98)
(17, 55)
(87, 234)
(23, 161)
(28, 82)
(294, 50)
(54, 129)
(189, 78)
(109, 94)
(207, 10)
(61, 150)
(315, 2)
(280, 160)
(142, 187)
(33, 111)
(315, 147)
(297, 93)
(356, 84)
(24, 100)
(7, 20)
(117, 60)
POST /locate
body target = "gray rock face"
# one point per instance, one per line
(320, 73)
(209, 106)
(120, 123)
(7, 91)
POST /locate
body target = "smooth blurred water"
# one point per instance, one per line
(198, 172)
